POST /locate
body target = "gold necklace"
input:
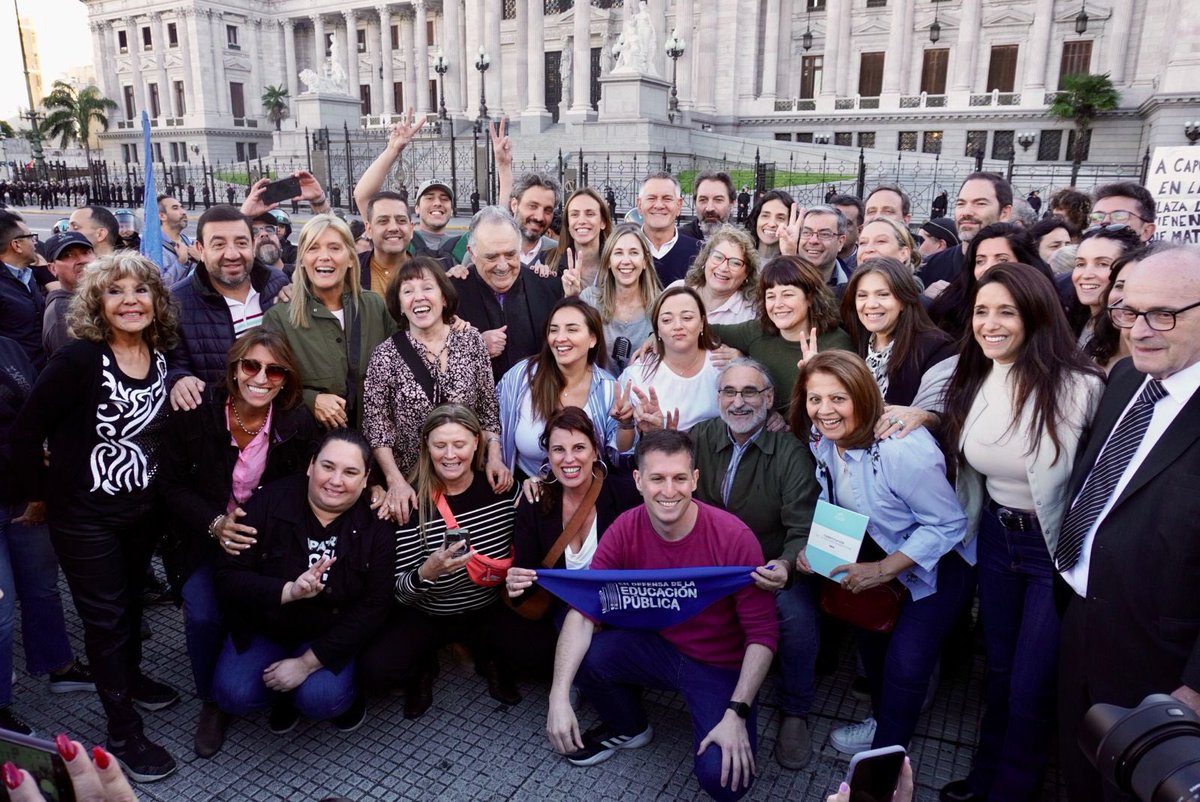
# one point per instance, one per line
(241, 425)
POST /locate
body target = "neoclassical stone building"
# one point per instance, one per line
(949, 76)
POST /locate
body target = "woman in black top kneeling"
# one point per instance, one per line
(306, 596)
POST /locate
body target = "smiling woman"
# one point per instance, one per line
(625, 289)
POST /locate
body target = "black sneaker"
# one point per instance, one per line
(143, 760)
(152, 695)
(12, 722)
(76, 678)
(600, 743)
(284, 717)
(353, 717)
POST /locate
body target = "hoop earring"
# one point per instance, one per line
(545, 475)
(602, 466)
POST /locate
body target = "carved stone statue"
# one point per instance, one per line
(638, 42)
(566, 65)
(332, 77)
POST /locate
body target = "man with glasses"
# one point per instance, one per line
(767, 480)
(660, 200)
(822, 235)
(21, 303)
(268, 248)
(1124, 203)
(1129, 545)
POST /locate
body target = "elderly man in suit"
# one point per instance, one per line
(1130, 548)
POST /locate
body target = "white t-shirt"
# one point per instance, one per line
(340, 314)
(577, 561)
(695, 397)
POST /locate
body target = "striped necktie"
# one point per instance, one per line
(1103, 478)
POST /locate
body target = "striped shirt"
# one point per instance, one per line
(246, 314)
(488, 517)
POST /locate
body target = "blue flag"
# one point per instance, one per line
(151, 233)
(650, 599)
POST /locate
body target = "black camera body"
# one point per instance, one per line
(1152, 750)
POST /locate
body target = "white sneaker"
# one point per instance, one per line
(853, 738)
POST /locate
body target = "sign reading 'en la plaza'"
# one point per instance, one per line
(1174, 181)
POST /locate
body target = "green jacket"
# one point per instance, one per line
(321, 348)
(779, 355)
(775, 489)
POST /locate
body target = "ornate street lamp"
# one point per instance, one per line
(675, 47)
(1191, 129)
(441, 67)
(806, 41)
(482, 63)
(1026, 140)
(935, 30)
(1081, 19)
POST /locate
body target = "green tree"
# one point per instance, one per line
(275, 104)
(1082, 98)
(6, 131)
(70, 114)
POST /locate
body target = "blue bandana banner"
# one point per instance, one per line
(650, 599)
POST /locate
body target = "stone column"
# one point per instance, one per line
(193, 67)
(385, 54)
(421, 43)
(581, 69)
(253, 90)
(967, 47)
(217, 20)
(135, 63)
(452, 22)
(1037, 50)
(833, 48)
(374, 68)
(410, 63)
(491, 39)
(770, 51)
(783, 85)
(519, 71)
(847, 61)
(892, 60)
(353, 80)
(318, 23)
(165, 95)
(1116, 38)
(535, 118)
(658, 15)
(473, 38)
(706, 80)
(100, 50)
(292, 78)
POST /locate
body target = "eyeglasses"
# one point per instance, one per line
(824, 235)
(747, 393)
(33, 237)
(1110, 227)
(252, 367)
(1157, 319)
(718, 259)
(259, 230)
(1119, 216)
(917, 238)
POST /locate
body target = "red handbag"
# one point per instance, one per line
(874, 609)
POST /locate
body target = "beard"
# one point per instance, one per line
(709, 227)
(744, 424)
(268, 253)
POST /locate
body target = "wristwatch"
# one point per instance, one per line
(741, 708)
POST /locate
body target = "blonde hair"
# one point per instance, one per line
(85, 316)
(648, 282)
(904, 239)
(424, 476)
(311, 232)
(736, 235)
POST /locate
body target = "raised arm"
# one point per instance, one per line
(503, 153)
(375, 176)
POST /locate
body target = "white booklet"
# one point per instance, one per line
(835, 538)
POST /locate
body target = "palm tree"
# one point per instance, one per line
(72, 114)
(275, 104)
(1082, 99)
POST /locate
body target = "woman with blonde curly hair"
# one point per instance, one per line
(331, 324)
(101, 404)
(883, 236)
(725, 274)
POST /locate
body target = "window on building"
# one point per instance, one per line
(328, 44)
(156, 151)
(231, 37)
(433, 93)
(906, 140)
(805, 136)
(1049, 145)
(180, 99)
(251, 150)
(237, 101)
(364, 97)
(510, 10)
(1084, 148)
(782, 137)
(360, 36)
(557, 6)
(594, 83)
(172, 35)
(398, 96)
(1076, 60)
(1002, 145)
(152, 91)
(147, 39)
(976, 143)
(933, 70)
(431, 33)
(843, 139)
(931, 142)
(239, 151)
(810, 75)
(395, 37)
(870, 75)
(866, 139)
(125, 154)
(1002, 71)
(876, 3)
(183, 152)
(816, 5)
(123, 41)
(174, 152)
(130, 106)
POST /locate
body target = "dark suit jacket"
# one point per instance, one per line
(527, 304)
(1140, 622)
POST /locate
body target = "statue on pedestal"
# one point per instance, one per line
(332, 77)
(566, 64)
(638, 40)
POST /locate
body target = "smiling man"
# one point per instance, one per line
(659, 201)
(226, 295)
(983, 199)
(767, 480)
(391, 230)
(505, 301)
(822, 236)
(69, 253)
(716, 659)
(532, 203)
(713, 201)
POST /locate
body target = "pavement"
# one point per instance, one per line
(470, 747)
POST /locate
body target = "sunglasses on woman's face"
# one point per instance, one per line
(252, 367)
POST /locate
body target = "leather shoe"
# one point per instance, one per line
(210, 729)
(958, 791)
(418, 693)
(501, 686)
(793, 747)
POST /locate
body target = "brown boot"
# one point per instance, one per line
(210, 729)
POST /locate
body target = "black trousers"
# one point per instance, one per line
(105, 566)
(404, 646)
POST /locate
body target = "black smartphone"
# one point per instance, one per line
(455, 536)
(874, 774)
(43, 762)
(281, 190)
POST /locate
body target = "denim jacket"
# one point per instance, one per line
(901, 486)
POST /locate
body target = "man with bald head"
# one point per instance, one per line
(1129, 546)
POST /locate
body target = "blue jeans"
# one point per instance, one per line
(799, 640)
(899, 666)
(29, 572)
(1021, 629)
(202, 627)
(238, 686)
(621, 662)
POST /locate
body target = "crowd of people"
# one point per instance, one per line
(355, 450)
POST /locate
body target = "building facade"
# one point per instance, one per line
(957, 77)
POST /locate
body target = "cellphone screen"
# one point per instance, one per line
(282, 190)
(43, 763)
(874, 778)
(454, 536)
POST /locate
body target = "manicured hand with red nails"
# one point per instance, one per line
(97, 780)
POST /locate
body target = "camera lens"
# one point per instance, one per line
(1152, 750)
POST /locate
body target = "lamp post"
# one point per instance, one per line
(441, 67)
(1081, 19)
(482, 63)
(675, 47)
(1191, 129)
(806, 41)
(935, 30)
(35, 131)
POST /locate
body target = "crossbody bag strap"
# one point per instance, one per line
(447, 514)
(416, 364)
(576, 523)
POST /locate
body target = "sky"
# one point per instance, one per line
(64, 41)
